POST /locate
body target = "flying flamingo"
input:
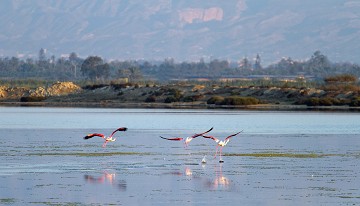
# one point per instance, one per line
(107, 139)
(221, 143)
(187, 140)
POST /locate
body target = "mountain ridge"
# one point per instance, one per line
(185, 31)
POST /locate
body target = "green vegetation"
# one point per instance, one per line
(32, 99)
(288, 155)
(93, 154)
(233, 100)
(355, 102)
(343, 78)
(324, 101)
(59, 203)
(96, 69)
(215, 100)
(7, 201)
(236, 100)
(150, 99)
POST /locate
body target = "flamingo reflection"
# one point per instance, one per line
(106, 178)
(220, 180)
(187, 172)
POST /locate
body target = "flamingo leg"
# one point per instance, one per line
(217, 147)
(221, 152)
(104, 145)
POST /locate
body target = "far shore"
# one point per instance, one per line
(177, 105)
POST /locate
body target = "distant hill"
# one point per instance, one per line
(184, 30)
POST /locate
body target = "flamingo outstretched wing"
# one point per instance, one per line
(232, 135)
(173, 138)
(197, 135)
(211, 137)
(94, 135)
(119, 129)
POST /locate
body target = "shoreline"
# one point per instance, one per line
(178, 105)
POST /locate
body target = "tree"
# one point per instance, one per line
(75, 61)
(42, 55)
(132, 73)
(245, 64)
(318, 63)
(94, 68)
(257, 64)
(42, 63)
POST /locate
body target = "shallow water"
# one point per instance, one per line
(281, 158)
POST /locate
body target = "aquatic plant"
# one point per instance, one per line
(7, 200)
(289, 155)
(87, 154)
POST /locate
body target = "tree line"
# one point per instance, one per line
(95, 68)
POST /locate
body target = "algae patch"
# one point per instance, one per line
(88, 154)
(288, 155)
(7, 201)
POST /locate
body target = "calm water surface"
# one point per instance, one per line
(281, 158)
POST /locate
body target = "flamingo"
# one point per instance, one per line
(107, 139)
(221, 143)
(187, 140)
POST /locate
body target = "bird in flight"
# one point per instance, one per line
(107, 139)
(221, 143)
(187, 140)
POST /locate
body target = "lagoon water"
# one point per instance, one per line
(281, 158)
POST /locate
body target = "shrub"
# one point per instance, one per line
(151, 98)
(193, 98)
(32, 99)
(237, 100)
(120, 86)
(94, 86)
(175, 92)
(170, 99)
(325, 101)
(188, 99)
(159, 93)
(355, 102)
(215, 100)
(342, 78)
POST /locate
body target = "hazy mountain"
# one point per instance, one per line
(182, 29)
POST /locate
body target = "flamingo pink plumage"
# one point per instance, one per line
(221, 143)
(107, 139)
(187, 140)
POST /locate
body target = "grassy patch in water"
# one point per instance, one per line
(88, 154)
(7, 200)
(58, 203)
(289, 155)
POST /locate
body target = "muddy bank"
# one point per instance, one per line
(68, 94)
